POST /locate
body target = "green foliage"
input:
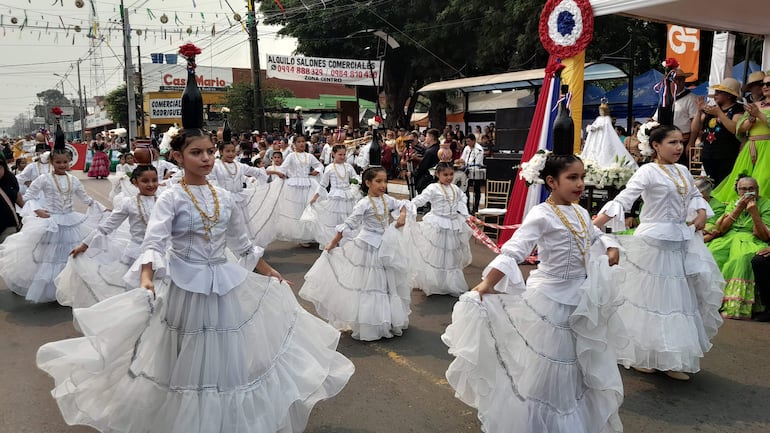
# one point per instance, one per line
(240, 101)
(51, 98)
(116, 104)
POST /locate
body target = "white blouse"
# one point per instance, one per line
(297, 167)
(448, 205)
(33, 170)
(562, 268)
(338, 177)
(58, 200)
(372, 221)
(196, 264)
(128, 208)
(665, 210)
(232, 175)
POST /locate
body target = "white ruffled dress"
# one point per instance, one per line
(298, 190)
(538, 359)
(98, 273)
(673, 287)
(440, 242)
(221, 349)
(31, 259)
(332, 207)
(364, 286)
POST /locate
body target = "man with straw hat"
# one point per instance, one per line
(753, 86)
(716, 124)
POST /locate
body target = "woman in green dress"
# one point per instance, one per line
(742, 231)
(754, 158)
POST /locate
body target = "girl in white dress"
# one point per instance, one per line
(95, 276)
(335, 206)
(220, 349)
(121, 180)
(536, 359)
(674, 288)
(364, 286)
(300, 168)
(263, 201)
(31, 259)
(440, 242)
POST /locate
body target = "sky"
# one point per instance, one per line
(49, 44)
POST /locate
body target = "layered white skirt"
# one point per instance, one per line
(363, 289)
(327, 213)
(439, 255)
(260, 206)
(252, 360)
(673, 293)
(296, 196)
(31, 259)
(529, 364)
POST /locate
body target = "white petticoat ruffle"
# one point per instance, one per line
(531, 365)
(251, 361)
(84, 282)
(439, 254)
(673, 292)
(260, 203)
(327, 213)
(31, 259)
(363, 289)
(296, 196)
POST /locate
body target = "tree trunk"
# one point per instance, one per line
(397, 83)
(437, 110)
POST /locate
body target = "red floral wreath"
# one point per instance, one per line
(565, 23)
(56, 111)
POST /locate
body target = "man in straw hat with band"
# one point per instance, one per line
(716, 124)
(753, 86)
(685, 111)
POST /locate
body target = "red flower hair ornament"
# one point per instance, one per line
(189, 51)
(56, 111)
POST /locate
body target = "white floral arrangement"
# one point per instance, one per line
(614, 176)
(224, 110)
(644, 137)
(530, 170)
(165, 143)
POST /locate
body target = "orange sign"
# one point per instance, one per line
(683, 44)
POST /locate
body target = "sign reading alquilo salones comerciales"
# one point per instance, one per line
(324, 70)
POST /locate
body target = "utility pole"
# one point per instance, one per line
(259, 106)
(80, 107)
(140, 88)
(129, 74)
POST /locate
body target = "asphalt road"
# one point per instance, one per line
(399, 383)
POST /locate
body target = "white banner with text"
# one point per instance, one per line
(322, 70)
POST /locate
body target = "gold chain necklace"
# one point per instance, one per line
(56, 182)
(581, 237)
(381, 218)
(681, 189)
(142, 215)
(209, 221)
(344, 173)
(228, 170)
(454, 193)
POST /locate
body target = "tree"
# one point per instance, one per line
(444, 39)
(240, 101)
(48, 99)
(116, 104)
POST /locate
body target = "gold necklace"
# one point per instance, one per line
(681, 189)
(209, 221)
(344, 174)
(581, 237)
(56, 182)
(142, 216)
(381, 218)
(454, 193)
(228, 170)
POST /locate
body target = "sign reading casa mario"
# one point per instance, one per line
(165, 77)
(323, 70)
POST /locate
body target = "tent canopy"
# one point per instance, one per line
(517, 80)
(746, 16)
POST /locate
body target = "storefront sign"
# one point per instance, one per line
(322, 70)
(165, 77)
(166, 108)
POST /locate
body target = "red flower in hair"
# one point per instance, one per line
(189, 51)
(378, 119)
(671, 63)
(56, 111)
